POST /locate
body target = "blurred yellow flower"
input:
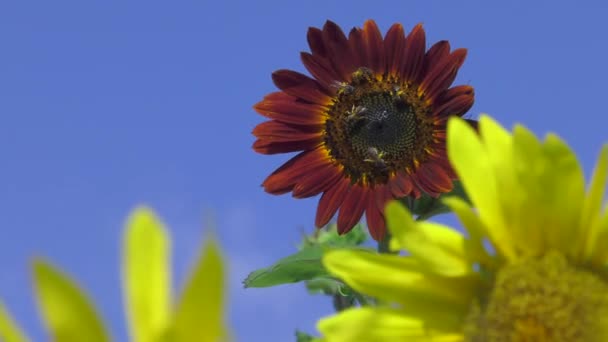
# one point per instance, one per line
(531, 266)
(152, 312)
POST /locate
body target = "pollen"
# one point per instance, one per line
(541, 300)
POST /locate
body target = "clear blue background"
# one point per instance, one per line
(110, 104)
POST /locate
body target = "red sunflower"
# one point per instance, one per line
(370, 125)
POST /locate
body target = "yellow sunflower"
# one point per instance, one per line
(531, 266)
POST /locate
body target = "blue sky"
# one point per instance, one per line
(107, 105)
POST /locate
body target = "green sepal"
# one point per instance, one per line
(304, 337)
(329, 236)
(325, 285)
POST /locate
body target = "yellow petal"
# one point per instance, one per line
(563, 188)
(67, 312)
(438, 247)
(599, 257)
(527, 164)
(400, 279)
(498, 143)
(593, 202)
(477, 174)
(146, 276)
(382, 325)
(9, 330)
(554, 186)
(200, 312)
(398, 218)
(473, 225)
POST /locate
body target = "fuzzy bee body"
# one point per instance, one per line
(362, 75)
(376, 157)
(343, 88)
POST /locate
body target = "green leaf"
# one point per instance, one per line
(200, 311)
(68, 314)
(146, 275)
(304, 337)
(426, 206)
(306, 263)
(303, 265)
(9, 330)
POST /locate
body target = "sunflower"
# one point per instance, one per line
(370, 125)
(532, 266)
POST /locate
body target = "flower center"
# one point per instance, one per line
(376, 126)
(542, 300)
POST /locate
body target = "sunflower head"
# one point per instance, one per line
(531, 266)
(370, 124)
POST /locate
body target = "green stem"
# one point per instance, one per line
(383, 244)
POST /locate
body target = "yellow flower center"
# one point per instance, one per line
(542, 300)
(377, 125)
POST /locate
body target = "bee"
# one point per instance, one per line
(397, 97)
(362, 75)
(355, 114)
(376, 157)
(342, 88)
(396, 93)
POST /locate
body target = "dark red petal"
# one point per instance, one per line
(374, 212)
(286, 108)
(275, 131)
(439, 157)
(438, 52)
(394, 44)
(330, 201)
(322, 70)
(395, 189)
(440, 133)
(450, 172)
(284, 178)
(313, 183)
(457, 106)
(401, 185)
(271, 147)
(315, 41)
(442, 74)
(352, 208)
(457, 91)
(355, 39)
(340, 53)
(383, 195)
(414, 52)
(280, 96)
(300, 85)
(433, 179)
(438, 148)
(374, 47)
(375, 221)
